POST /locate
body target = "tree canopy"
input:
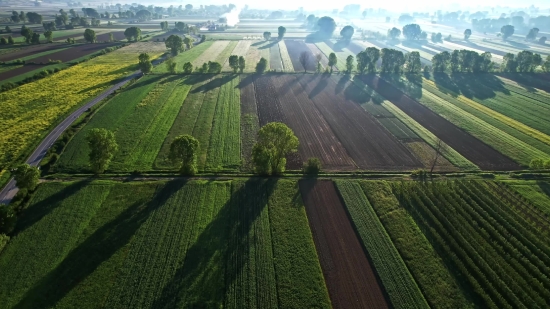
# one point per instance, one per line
(103, 147)
(281, 32)
(275, 142)
(326, 25)
(261, 66)
(175, 43)
(188, 68)
(467, 34)
(242, 64)
(304, 59)
(234, 62)
(267, 35)
(347, 32)
(145, 64)
(132, 34)
(184, 152)
(26, 177)
(332, 60)
(412, 32)
(394, 33)
(507, 31)
(89, 35)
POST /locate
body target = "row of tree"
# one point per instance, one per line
(281, 31)
(31, 17)
(410, 32)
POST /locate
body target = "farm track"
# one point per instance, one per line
(368, 143)
(66, 55)
(316, 136)
(295, 49)
(270, 110)
(349, 275)
(471, 148)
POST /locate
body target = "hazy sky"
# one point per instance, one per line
(399, 5)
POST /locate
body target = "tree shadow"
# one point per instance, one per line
(544, 187)
(215, 83)
(196, 79)
(530, 81)
(319, 87)
(478, 85)
(269, 45)
(519, 45)
(341, 83)
(411, 85)
(37, 211)
(99, 247)
(249, 79)
(257, 43)
(357, 95)
(445, 84)
(223, 241)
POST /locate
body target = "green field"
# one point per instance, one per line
(187, 56)
(168, 244)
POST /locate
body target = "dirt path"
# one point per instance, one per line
(350, 277)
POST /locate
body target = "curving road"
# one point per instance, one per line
(9, 191)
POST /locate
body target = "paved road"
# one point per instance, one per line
(9, 191)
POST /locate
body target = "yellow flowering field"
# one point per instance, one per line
(29, 111)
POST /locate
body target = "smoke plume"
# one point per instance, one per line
(232, 17)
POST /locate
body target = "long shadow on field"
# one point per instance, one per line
(213, 263)
(411, 84)
(268, 45)
(356, 94)
(471, 85)
(319, 87)
(341, 84)
(249, 79)
(36, 212)
(530, 81)
(215, 83)
(545, 187)
(99, 247)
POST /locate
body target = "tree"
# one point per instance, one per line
(507, 31)
(188, 42)
(10, 40)
(440, 148)
(437, 38)
(349, 64)
(132, 34)
(363, 61)
(413, 64)
(164, 25)
(189, 7)
(184, 151)
(214, 67)
(545, 66)
(90, 12)
(3, 41)
(509, 63)
(467, 34)
(8, 219)
(275, 142)
(267, 35)
(7, 29)
(26, 177)
(532, 35)
(326, 26)
(304, 59)
(412, 32)
(527, 61)
(188, 68)
(332, 61)
(34, 18)
(281, 32)
(175, 43)
(15, 17)
(364, 14)
(242, 64)
(143, 15)
(22, 17)
(48, 35)
(170, 65)
(111, 37)
(347, 32)
(261, 66)
(542, 40)
(145, 64)
(394, 33)
(234, 62)
(26, 33)
(374, 55)
(35, 38)
(441, 61)
(89, 35)
(392, 60)
(313, 166)
(423, 35)
(536, 164)
(180, 26)
(103, 147)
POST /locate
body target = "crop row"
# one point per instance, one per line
(503, 272)
(535, 193)
(397, 280)
(285, 57)
(500, 140)
(438, 285)
(211, 53)
(225, 139)
(187, 56)
(223, 57)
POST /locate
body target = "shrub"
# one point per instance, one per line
(8, 219)
(419, 173)
(312, 166)
(536, 164)
(3, 241)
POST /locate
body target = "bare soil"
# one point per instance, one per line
(350, 277)
(295, 49)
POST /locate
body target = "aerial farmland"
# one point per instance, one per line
(228, 156)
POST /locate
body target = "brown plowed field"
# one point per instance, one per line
(295, 48)
(31, 50)
(350, 278)
(270, 110)
(66, 55)
(368, 143)
(315, 50)
(315, 135)
(470, 147)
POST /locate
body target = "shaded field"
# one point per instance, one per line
(175, 244)
(350, 276)
(295, 50)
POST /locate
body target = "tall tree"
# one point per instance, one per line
(326, 26)
(412, 32)
(26, 33)
(267, 35)
(242, 64)
(392, 61)
(394, 33)
(509, 63)
(304, 59)
(170, 65)
(261, 66)
(347, 33)
(214, 67)
(363, 61)
(89, 35)
(26, 177)
(184, 151)
(187, 68)
(332, 61)
(275, 141)
(180, 26)
(48, 36)
(412, 63)
(349, 64)
(175, 43)
(145, 64)
(532, 35)
(188, 41)
(234, 62)
(103, 147)
(374, 55)
(133, 34)
(507, 31)
(35, 38)
(467, 34)
(546, 65)
(441, 61)
(281, 32)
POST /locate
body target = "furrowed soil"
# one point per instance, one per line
(295, 49)
(349, 275)
(367, 142)
(484, 156)
(31, 50)
(316, 51)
